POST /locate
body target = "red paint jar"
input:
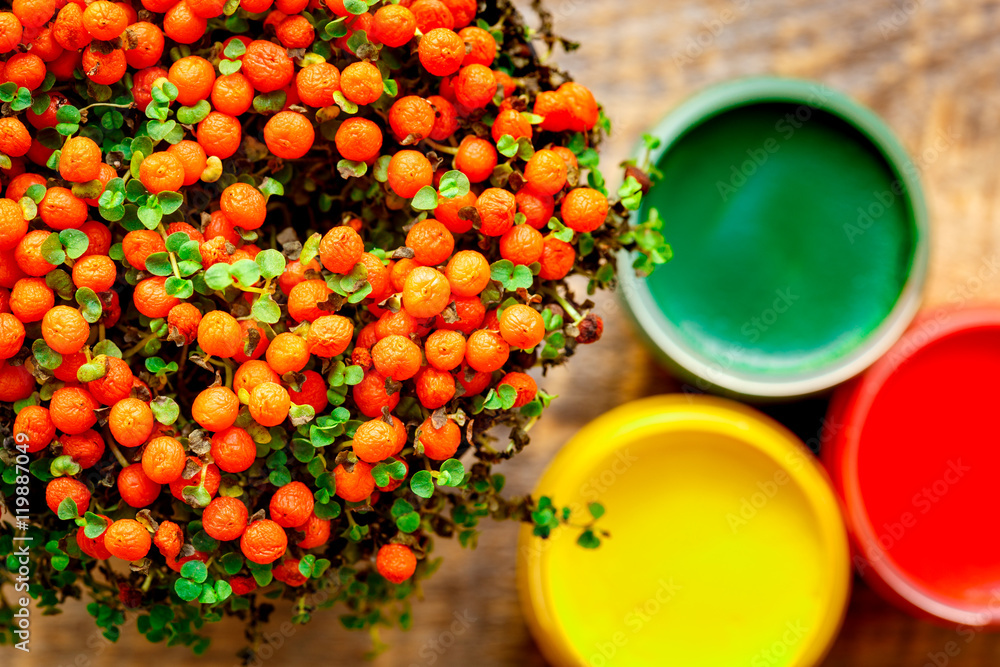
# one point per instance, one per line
(916, 460)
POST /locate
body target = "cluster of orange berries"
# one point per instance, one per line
(131, 221)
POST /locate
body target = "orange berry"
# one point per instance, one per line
(510, 122)
(426, 292)
(474, 86)
(340, 249)
(361, 82)
(98, 272)
(11, 335)
(94, 547)
(463, 11)
(377, 275)
(104, 68)
(183, 320)
(584, 209)
(304, 297)
(169, 538)
(432, 14)
(192, 158)
(61, 488)
(445, 349)
(268, 66)
(329, 336)
(163, 459)
(400, 323)
(208, 477)
(580, 105)
(445, 118)
(251, 373)
(393, 25)
(522, 244)
(448, 212)
(374, 441)
(151, 298)
(263, 542)
(215, 408)
(354, 486)
(80, 160)
(11, 31)
(225, 518)
(104, 20)
(115, 384)
(65, 330)
(33, 13)
(72, 410)
(16, 383)
(470, 312)
(33, 427)
(219, 334)
(522, 326)
(317, 532)
(358, 139)
(28, 254)
(497, 208)
(26, 70)
(220, 134)
(232, 94)
(131, 422)
(396, 562)
(554, 109)
(431, 242)
(480, 45)
(14, 138)
(289, 134)
(434, 387)
(182, 25)
(313, 392)
(408, 172)
(486, 351)
(370, 395)
(244, 205)
(250, 329)
(468, 273)
(411, 116)
(295, 32)
(439, 443)
(85, 448)
(557, 259)
(269, 403)
(523, 384)
(291, 505)
(316, 84)
(546, 171)
(140, 244)
(162, 172)
(61, 209)
(287, 353)
(143, 43)
(194, 77)
(295, 272)
(233, 449)
(127, 539)
(476, 158)
(441, 51)
(396, 357)
(536, 206)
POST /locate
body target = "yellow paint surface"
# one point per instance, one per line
(727, 546)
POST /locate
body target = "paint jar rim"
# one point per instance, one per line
(676, 413)
(709, 374)
(849, 409)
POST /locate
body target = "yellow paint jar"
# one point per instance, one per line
(727, 543)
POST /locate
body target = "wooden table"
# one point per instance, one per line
(930, 67)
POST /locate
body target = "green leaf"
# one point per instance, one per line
(74, 241)
(246, 272)
(197, 113)
(271, 263)
(186, 589)
(381, 171)
(455, 470)
(165, 409)
(170, 201)
(94, 370)
(190, 251)
(422, 484)
(400, 507)
(46, 357)
(217, 276)
(408, 522)
(310, 249)
(22, 100)
(269, 102)
(271, 188)
(67, 509)
(158, 263)
(52, 250)
(228, 67)
(389, 86)
(426, 199)
(235, 49)
(95, 525)
(301, 414)
(345, 105)
(454, 184)
(176, 240)
(64, 465)
(356, 6)
(90, 304)
(507, 146)
(351, 169)
(159, 129)
(149, 217)
(36, 192)
(194, 570)
(68, 114)
(596, 510)
(588, 540)
(232, 562)
(266, 310)
(107, 348)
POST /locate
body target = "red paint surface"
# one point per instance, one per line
(919, 463)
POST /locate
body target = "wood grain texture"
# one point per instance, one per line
(928, 67)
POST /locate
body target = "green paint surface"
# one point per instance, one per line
(792, 238)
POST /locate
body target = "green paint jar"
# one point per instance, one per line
(799, 232)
